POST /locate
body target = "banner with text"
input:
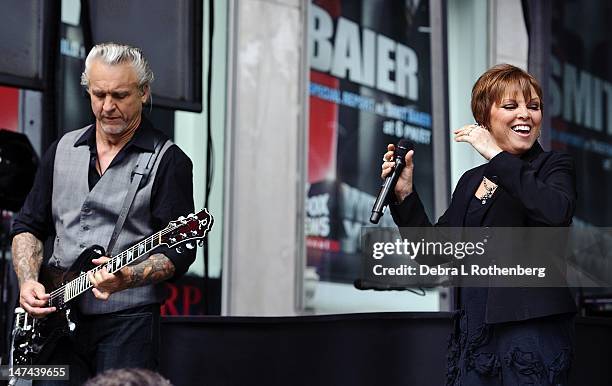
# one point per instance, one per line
(369, 86)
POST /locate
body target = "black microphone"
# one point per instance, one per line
(386, 190)
(364, 284)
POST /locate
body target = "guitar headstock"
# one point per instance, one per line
(185, 229)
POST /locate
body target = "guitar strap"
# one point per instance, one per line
(141, 173)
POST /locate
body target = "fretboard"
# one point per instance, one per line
(77, 286)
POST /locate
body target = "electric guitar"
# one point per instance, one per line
(33, 339)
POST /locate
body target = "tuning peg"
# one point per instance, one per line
(200, 243)
(179, 250)
(173, 239)
(181, 217)
(189, 246)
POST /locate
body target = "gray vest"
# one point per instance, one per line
(83, 218)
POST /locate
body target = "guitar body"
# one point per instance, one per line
(35, 339)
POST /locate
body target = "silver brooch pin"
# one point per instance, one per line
(489, 190)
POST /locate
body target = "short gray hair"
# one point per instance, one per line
(115, 53)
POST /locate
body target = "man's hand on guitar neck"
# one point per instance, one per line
(153, 270)
(33, 299)
(105, 283)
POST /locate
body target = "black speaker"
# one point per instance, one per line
(18, 164)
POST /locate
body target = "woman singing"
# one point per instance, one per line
(504, 336)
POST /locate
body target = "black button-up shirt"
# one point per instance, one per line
(171, 195)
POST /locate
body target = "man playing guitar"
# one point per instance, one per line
(78, 196)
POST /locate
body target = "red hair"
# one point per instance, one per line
(492, 85)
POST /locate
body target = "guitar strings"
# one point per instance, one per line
(60, 291)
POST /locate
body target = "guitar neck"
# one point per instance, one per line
(180, 231)
(77, 286)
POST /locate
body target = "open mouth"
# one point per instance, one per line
(522, 130)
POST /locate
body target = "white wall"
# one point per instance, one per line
(509, 40)
(468, 54)
(265, 175)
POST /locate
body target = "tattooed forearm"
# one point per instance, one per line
(27, 256)
(155, 269)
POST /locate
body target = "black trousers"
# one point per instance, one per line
(128, 338)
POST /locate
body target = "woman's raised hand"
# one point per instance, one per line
(480, 138)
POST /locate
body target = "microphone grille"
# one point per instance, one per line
(403, 147)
